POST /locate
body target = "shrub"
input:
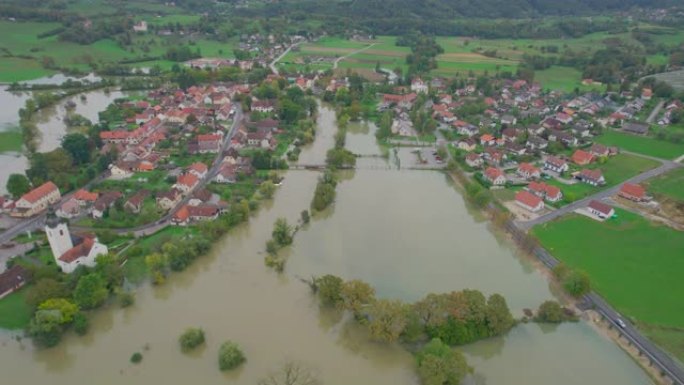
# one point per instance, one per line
(136, 357)
(191, 338)
(126, 299)
(81, 324)
(230, 356)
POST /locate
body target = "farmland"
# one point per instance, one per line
(642, 144)
(634, 263)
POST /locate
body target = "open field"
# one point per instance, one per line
(14, 311)
(642, 144)
(670, 184)
(634, 263)
(674, 78)
(564, 79)
(21, 39)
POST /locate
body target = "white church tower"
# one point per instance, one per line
(58, 235)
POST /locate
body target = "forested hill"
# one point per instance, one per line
(445, 9)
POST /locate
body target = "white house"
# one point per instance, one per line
(419, 86)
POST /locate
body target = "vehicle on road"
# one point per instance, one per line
(621, 323)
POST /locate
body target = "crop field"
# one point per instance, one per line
(670, 184)
(674, 78)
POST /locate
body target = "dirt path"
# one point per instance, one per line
(339, 59)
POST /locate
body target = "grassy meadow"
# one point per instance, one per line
(670, 184)
(642, 144)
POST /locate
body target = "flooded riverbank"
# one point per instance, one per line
(405, 232)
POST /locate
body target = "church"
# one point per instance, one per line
(71, 251)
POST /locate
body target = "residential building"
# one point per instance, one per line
(13, 279)
(592, 177)
(37, 200)
(546, 191)
(528, 171)
(495, 176)
(529, 201)
(582, 158)
(600, 209)
(71, 252)
(555, 164)
(167, 200)
(632, 192)
(199, 169)
(474, 160)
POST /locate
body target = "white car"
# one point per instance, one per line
(621, 323)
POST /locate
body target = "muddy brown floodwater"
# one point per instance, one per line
(405, 232)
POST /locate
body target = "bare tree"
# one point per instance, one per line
(291, 373)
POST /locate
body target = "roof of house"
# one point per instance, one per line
(182, 215)
(209, 137)
(203, 194)
(493, 173)
(582, 157)
(541, 187)
(39, 192)
(598, 148)
(12, 278)
(634, 190)
(528, 168)
(189, 180)
(591, 174)
(78, 251)
(198, 167)
(600, 207)
(85, 195)
(527, 198)
(138, 197)
(555, 161)
(172, 194)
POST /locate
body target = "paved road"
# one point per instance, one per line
(665, 167)
(655, 112)
(339, 59)
(275, 61)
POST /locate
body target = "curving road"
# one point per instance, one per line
(275, 61)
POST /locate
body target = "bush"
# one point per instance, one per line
(81, 324)
(550, 311)
(230, 356)
(191, 338)
(126, 299)
(136, 357)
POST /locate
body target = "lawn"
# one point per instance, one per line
(563, 79)
(670, 184)
(11, 141)
(15, 313)
(642, 144)
(635, 264)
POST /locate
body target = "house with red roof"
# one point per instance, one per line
(36, 200)
(71, 251)
(199, 169)
(592, 177)
(528, 171)
(263, 106)
(186, 183)
(487, 140)
(116, 136)
(529, 201)
(202, 212)
(494, 176)
(582, 158)
(545, 191)
(167, 200)
(556, 164)
(85, 197)
(600, 209)
(632, 192)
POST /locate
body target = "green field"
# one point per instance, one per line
(670, 184)
(11, 141)
(564, 79)
(641, 144)
(635, 264)
(15, 313)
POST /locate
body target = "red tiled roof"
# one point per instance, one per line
(114, 135)
(591, 174)
(492, 173)
(85, 195)
(555, 161)
(182, 215)
(189, 180)
(78, 251)
(600, 207)
(633, 190)
(528, 168)
(582, 157)
(198, 167)
(208, 138)
(39, 192)
(527, 198)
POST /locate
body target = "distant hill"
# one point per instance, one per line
(444, 9)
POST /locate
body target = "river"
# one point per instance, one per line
(405, 232)
(50, 121)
